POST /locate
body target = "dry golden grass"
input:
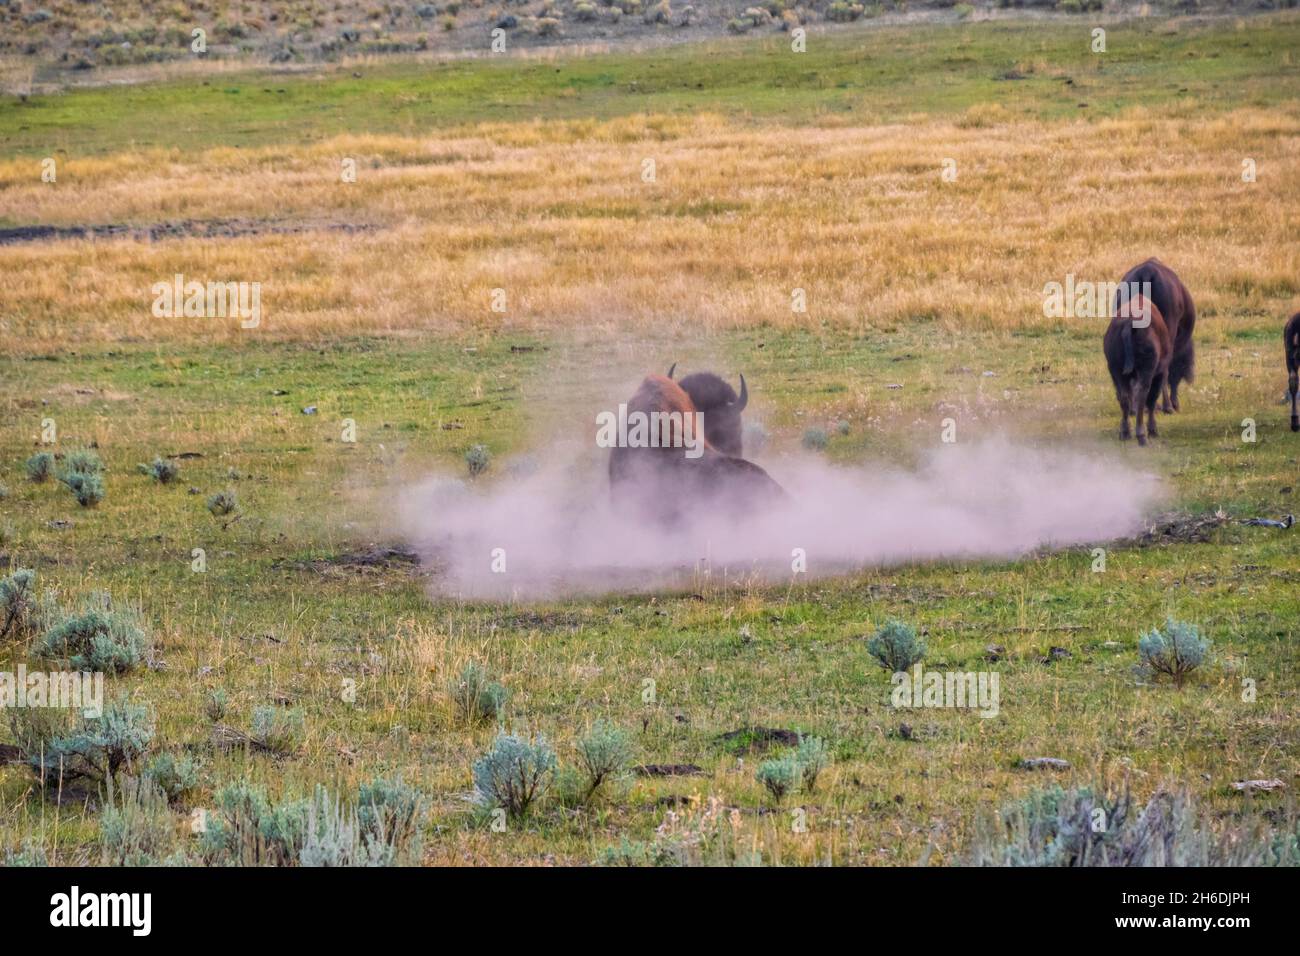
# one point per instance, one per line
(559, 216)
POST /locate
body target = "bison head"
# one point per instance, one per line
(721, 407)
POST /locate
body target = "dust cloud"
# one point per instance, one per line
(546, 529)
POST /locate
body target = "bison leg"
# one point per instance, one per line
(1179, 368)
(1139, 406)
(1124, 433)
(1169, 399)
(1157, 387)
(1293, 386)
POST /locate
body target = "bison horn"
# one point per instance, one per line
(744, 395)
(670, 369)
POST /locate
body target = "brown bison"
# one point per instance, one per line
(1138, 348)
(1179, 312)
(721, 407)
(664, 481)
(1291, 339)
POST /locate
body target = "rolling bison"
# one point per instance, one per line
(1291, 339)
(721, 407)
(1179, 312)
(1139, 348)
(665, 484)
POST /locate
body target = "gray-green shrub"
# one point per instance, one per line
(247, 829)
(18, 605)
(476, 695)
(87, 488)
(604, 753)
(222, 503)
(96, 748)
(136, 828)
(779, 776)
(1084, 828)
(81, 461)
(513, 773)
(1176, 652)
(278, 729)
(99, 638)
(812, 757)
(477, 460)
(215, 705)
(162, 471)
(815, 439)
(40, 467)
(391, 813)
(896, 647)
(176, 775)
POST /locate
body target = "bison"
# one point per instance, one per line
(1291, 339)
(721, 407)
(1179, 312)
(665, 485)
(1139, 348)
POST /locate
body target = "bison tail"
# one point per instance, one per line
(1126, 336)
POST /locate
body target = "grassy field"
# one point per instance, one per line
(773, 172)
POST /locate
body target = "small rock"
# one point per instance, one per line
(309, 410)
(1250, 786)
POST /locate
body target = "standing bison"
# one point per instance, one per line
(679, 473)
(1139, 348)
(1291, 339)
(1179, 312)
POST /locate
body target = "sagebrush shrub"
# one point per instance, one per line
(30, 854)
(513, 773)
(215, 705)
(1177, 651)
(97, 748)
(816, 439)
(812, 757)
(333, 837)
(162, 471)
(40, 467)
(604, 753)
(81, 461)
(779, 776)
(391, 813)
(136, 828)
(247, 829)
(278, 729)
(896, 646)
(476, 695)
(222, 503)
(1084, 828)
(638, 853)
(176, 775)
(102, 638)
(87, 488)
(477, 459)
(18, 604)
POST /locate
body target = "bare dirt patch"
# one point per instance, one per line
(374, 560)
(177, 229)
